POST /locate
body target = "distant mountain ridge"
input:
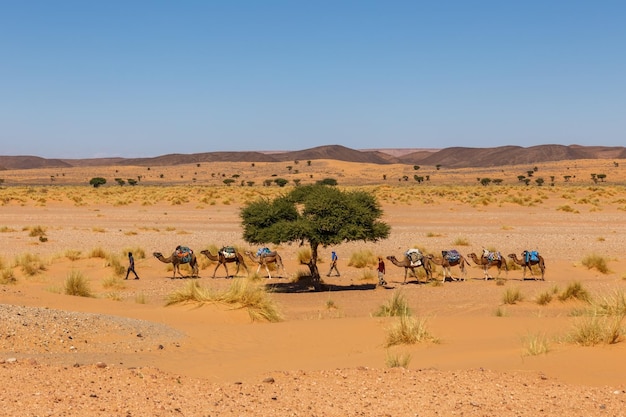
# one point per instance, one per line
(454, 157)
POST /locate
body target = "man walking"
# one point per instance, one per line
(131, 266)
(333, 265)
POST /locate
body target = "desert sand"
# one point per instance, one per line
(124, 352)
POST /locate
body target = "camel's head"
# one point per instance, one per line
(204, 251)
(391, 258)
(157, 254)
(511, 255)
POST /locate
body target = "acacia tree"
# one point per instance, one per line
(317, 215)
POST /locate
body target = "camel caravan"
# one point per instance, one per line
(412, 261)
(226, 255)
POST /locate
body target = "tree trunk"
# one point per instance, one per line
(315, 273)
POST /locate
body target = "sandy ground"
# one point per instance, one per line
(124, 352)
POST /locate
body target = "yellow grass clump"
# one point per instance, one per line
(76, 284)
(242, 293)
(362, 259)
(595, 261)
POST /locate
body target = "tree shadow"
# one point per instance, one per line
(304, 286)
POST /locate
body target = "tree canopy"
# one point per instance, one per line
(317, 215)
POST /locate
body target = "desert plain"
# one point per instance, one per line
(506, 346)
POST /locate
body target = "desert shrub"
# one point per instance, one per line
(7, 276)
(544, 298)
(397, 360)
(115, 263)
(461, 241)
(612, 305)
(594, 330)
(98, 252)
(138, 252)
(140, 298)
(72, 254)
(6, 229)
(304, 256)
(500, 312)
(396, 306)
(595, 261)
(302, 277)
(242, 293)
(575, 291)
(113, 282)
(512, 296)
(536, 344)
(30, 264)
(331, 305)
(567, 208)
(368, 275)
(408, 331)
(77, 284)
(362, 258)
(36, 231)
(112, 296)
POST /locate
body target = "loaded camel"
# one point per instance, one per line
(406, 264)
(487, 261)
(446, 263)
(179, 258)
(527, 262)
(222, 259)
(265, 259)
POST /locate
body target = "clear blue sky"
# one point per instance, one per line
(132, 78)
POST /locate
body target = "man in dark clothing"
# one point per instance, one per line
(131, 266)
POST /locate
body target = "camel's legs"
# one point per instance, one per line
(218, 265)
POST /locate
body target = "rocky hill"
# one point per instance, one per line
(454, 157)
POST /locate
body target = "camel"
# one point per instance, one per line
(529, 264)
(177, 261)
(223, 260)
(486, 262)
(267, 258)
(406, 264)
(446, 264)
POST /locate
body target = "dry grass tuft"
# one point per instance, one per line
(461, 241)
(397, 360)
(242, 293)
(512, 296)
(362, 259)
(76, 284)
(594, 330)
(612, 305)
(72, 254)
(113, 282)
(396, 306)
(7, 276)
(97, 252)
(408, 331)
(536, 344)
(575, 291)
(544, 298)
(30, 264)
(595, 261)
